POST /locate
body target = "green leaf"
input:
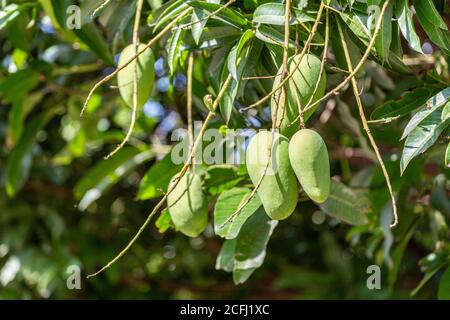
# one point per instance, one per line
(424, 134)
(409, 102)
(273, 13)
(227, 203)
(18, 84)
(166, 13)
(447, 156)
(237, 53)
(431, 105)
(252, 241)
(225, 258)
(198, 21)
(384, 37)
(271, 35)
(20, 159)
(56, 10)
(91, 36)
(107, 173)
(163, 222)
(345, 205)
(427, 10)
(439, 36)
(174, 49)
(444, 286)
(227, 15)
(406, 23)
(22, 106)
(219, 178)
(157, 179)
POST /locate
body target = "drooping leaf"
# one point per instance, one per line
(345, 205)
(409, 102)
(422, 136)
(252, 241)
(384, 37)
(227, 203)
(173, 54)
(225, 258)
(431, 105)
(444, 286)
(20, 159)
(406, 24)
(427, 9)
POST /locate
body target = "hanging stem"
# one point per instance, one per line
(366, 126)
(137, 21)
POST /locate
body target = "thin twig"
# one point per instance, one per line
(100, 7)
(366, 126)
(189, 98)
(137, 21)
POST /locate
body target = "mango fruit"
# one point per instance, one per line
(187, 205)
(278, 188)
(299, 90)
(309, 158)
(145, 71)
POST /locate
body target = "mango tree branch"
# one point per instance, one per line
(366, 126)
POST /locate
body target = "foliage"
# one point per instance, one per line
(63, 204)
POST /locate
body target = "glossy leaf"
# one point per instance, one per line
(227, 204)
(345, 205)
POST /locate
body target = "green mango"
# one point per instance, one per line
(309, 159)
(187, 206)
(299, 90)
(146, 75)
(278, 189)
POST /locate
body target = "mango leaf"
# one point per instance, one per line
(447, 156)
(427, 9)
(237, 53)
(227, 15)
(271, 35)
(173, 54)
(444, 286)
(163, 222)
(384, 37)
(438, 35)
(227, 203)
(91, 36)
(251, 245)
(409, 102)
(406, 24)
(252, 241)
(424, 134)
(165, 13)
(20, 159)
(22, 106)
(225, 258)
(157, 179)
(219, 178)
(107, 173)
(198, 21)
(345, 205)
(431, 105)
(18, 84)
(273, 13)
